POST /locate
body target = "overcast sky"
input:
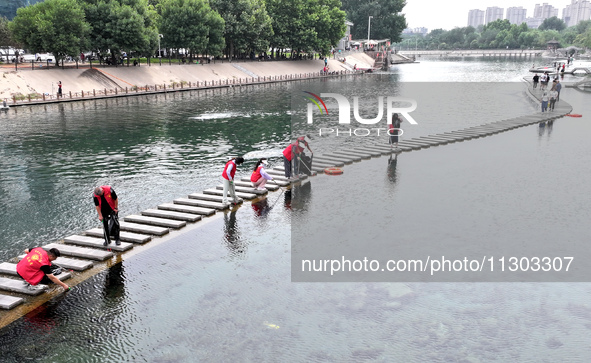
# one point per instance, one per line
(433, 14)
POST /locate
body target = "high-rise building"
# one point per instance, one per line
(577, 11)
(516, 15)
(545, 11)
(475, 18)
(493, 13)
(534, 23)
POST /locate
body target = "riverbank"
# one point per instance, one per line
(41, 83)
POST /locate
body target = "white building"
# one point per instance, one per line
(475, 18)
(493, 13)
(576, 12)
(516, 15)
(534, 23)
(545, 11)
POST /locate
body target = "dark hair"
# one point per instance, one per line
(258, 163)
(239, 160)
(55, 252)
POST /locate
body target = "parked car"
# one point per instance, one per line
(38, 57)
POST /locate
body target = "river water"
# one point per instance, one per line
(223, 292)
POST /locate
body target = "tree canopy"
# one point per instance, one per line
(387, 20)
(552, 23)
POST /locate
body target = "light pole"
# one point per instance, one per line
(159, 52)
(368, 28)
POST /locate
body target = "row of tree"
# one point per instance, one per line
(502, 34)
(215, 27)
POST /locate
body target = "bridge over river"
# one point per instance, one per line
(475, 53)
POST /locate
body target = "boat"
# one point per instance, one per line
(4, 108)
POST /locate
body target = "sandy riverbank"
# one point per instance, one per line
(44, 81)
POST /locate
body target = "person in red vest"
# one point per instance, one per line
(228, 175)
(259, 176)
(107, 207)
(36, 267)
(293, 151)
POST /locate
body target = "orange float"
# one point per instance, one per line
(333, 171)
(574, 115)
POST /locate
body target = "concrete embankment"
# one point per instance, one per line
(43, 81)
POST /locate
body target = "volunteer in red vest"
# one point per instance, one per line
(228, 175)
(259, 176)
(35, 268)
(293, 151)
(107, 207)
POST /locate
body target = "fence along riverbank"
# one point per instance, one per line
(85, 254)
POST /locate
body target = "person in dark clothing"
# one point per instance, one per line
(107, 206)
(536, 80)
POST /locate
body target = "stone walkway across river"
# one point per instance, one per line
(80, 252)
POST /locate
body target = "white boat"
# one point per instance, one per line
(4, 108)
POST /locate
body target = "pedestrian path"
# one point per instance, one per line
(81, 251)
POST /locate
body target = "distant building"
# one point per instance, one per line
(345, 41)
(516, 15)
(419, 31)
(493, 13)
(545, 11)
(576, 12)
(475, 18)
(534, 23)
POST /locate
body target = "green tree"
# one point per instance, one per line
(387, 21)
(247, 26)
(6, 38)
(552, 23)
(499, 25)
(55, 26)
(187, 24)
(584, 40)
(122, 25)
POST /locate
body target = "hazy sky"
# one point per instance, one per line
(433, 14)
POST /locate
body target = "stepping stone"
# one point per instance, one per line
(247, 183)
(179, 216)
(81, 252)
(465, 136)
(201, 203)
(407, 147)
(125, 236)
(449, 139)
(215, 192)
(420, 141)
(187, 208)
(373, 153)
(153, 221)
(415, 143)
(332, 160)
(440, 140)
(8, 302)
(352, 154)
(212, 198)
(9, 268)
(244, 189)
(142, 228)
(21, 286)
(69, 263)
(97, 243)
(344, 157)
(325, 164)
(384, 151)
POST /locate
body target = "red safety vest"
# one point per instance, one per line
(288, 150)
(107, 194)
(225, 174)
(256, 175)
(30, 267)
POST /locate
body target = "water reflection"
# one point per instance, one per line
(541, 129)
(392, 161)
(114, 287)
(232, 235)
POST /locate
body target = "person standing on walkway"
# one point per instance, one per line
(553, 94)
(107, 207)
(544, 102)
(228, 175)
(36, 267)
(536, 80)
(394, 130)
(558, 87)
(59, 89)
(259, 176)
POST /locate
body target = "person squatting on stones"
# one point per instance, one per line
(36, 267)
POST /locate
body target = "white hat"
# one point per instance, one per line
(264, 161)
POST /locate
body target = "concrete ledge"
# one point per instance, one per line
(168, 214)
(142, 228)
(81, 252)
(213, 191)
(201, 203)
(8, 302)
(97, 243)
(125, 236)
(187, 208)
(21, 287)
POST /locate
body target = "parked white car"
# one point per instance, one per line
(39, 57)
